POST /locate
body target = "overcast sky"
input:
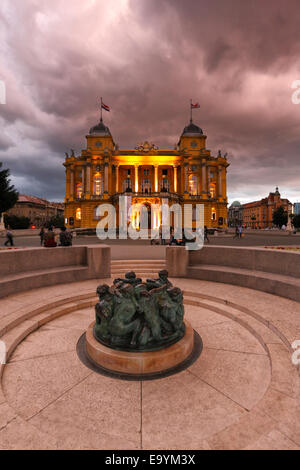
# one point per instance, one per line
(147, 58)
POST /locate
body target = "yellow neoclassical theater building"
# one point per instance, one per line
(189, 174)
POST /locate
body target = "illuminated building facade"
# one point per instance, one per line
(189, 174)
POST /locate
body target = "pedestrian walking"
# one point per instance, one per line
(206, 239)
(237, 233)
(42, 235)
(240, 231)
(9, 237)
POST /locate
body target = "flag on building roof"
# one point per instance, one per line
(195, 106)
(105, 107)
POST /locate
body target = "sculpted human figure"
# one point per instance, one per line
(130, 278)
(123, 326)
(176, 296)
(150, 312)
(161, 281)
(169, 308)
(104, 311)
(136, 315)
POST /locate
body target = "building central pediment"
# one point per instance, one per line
(147, 147)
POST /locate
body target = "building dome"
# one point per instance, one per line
(192, 130)
(100, 129)
(236, 204)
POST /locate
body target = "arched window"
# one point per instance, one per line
(212, 190)
(193, 183)
(78, 214)
(165, 185)
(79, 190)
(98, 185)
(213, 214)
(127, 185)
(146, 186)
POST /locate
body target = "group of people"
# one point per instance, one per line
(238, 232)
(184, 240)
(48, 237)
(134, 314)
(50, 240)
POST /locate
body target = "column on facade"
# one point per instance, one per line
(106, 178)
(156, 178)
(136, 178)
(72, 183)
(68, 182)
(204, 178)
(83, 180)
(186, 177)
(224, 188)
(220, 181)
(88, 179)
(175, 179)
(117, 177)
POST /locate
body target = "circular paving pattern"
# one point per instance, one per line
(243, 391)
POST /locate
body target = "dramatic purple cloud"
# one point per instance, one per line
(147, 58)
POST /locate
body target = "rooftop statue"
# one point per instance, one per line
(139, 316)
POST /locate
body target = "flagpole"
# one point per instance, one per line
(101, 109)
(191, 111)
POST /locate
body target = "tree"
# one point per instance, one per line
(16, 223)
(296, 221)
(57, 222)
(8, 194)
(280, 217)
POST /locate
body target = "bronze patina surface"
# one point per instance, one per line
(133, 315)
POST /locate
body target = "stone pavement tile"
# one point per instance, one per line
(93, 411)
(80, 319)
(290, 328)
(260, 302)
(244, 378)
(285, 377)
(199, 316)
(181, 411)
(249, 428)
(45, 342)
(7, 414)
(261, 330)
(9, 306)
(2, 396)
(53, 293)
(32, 385)
(230, 336)
(280, 407)
(274, 440)
(19, 435)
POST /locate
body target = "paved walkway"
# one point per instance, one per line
(242, 393)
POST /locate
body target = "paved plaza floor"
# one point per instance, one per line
(242, 393)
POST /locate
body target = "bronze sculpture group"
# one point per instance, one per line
(139, 316)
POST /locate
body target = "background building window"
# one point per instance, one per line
(213, 214)
(79, 190)
(98, 185)
(127, 185)
(146, 186)
(193, 183)
(212, 190)
(78, 214)
(165, 185)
